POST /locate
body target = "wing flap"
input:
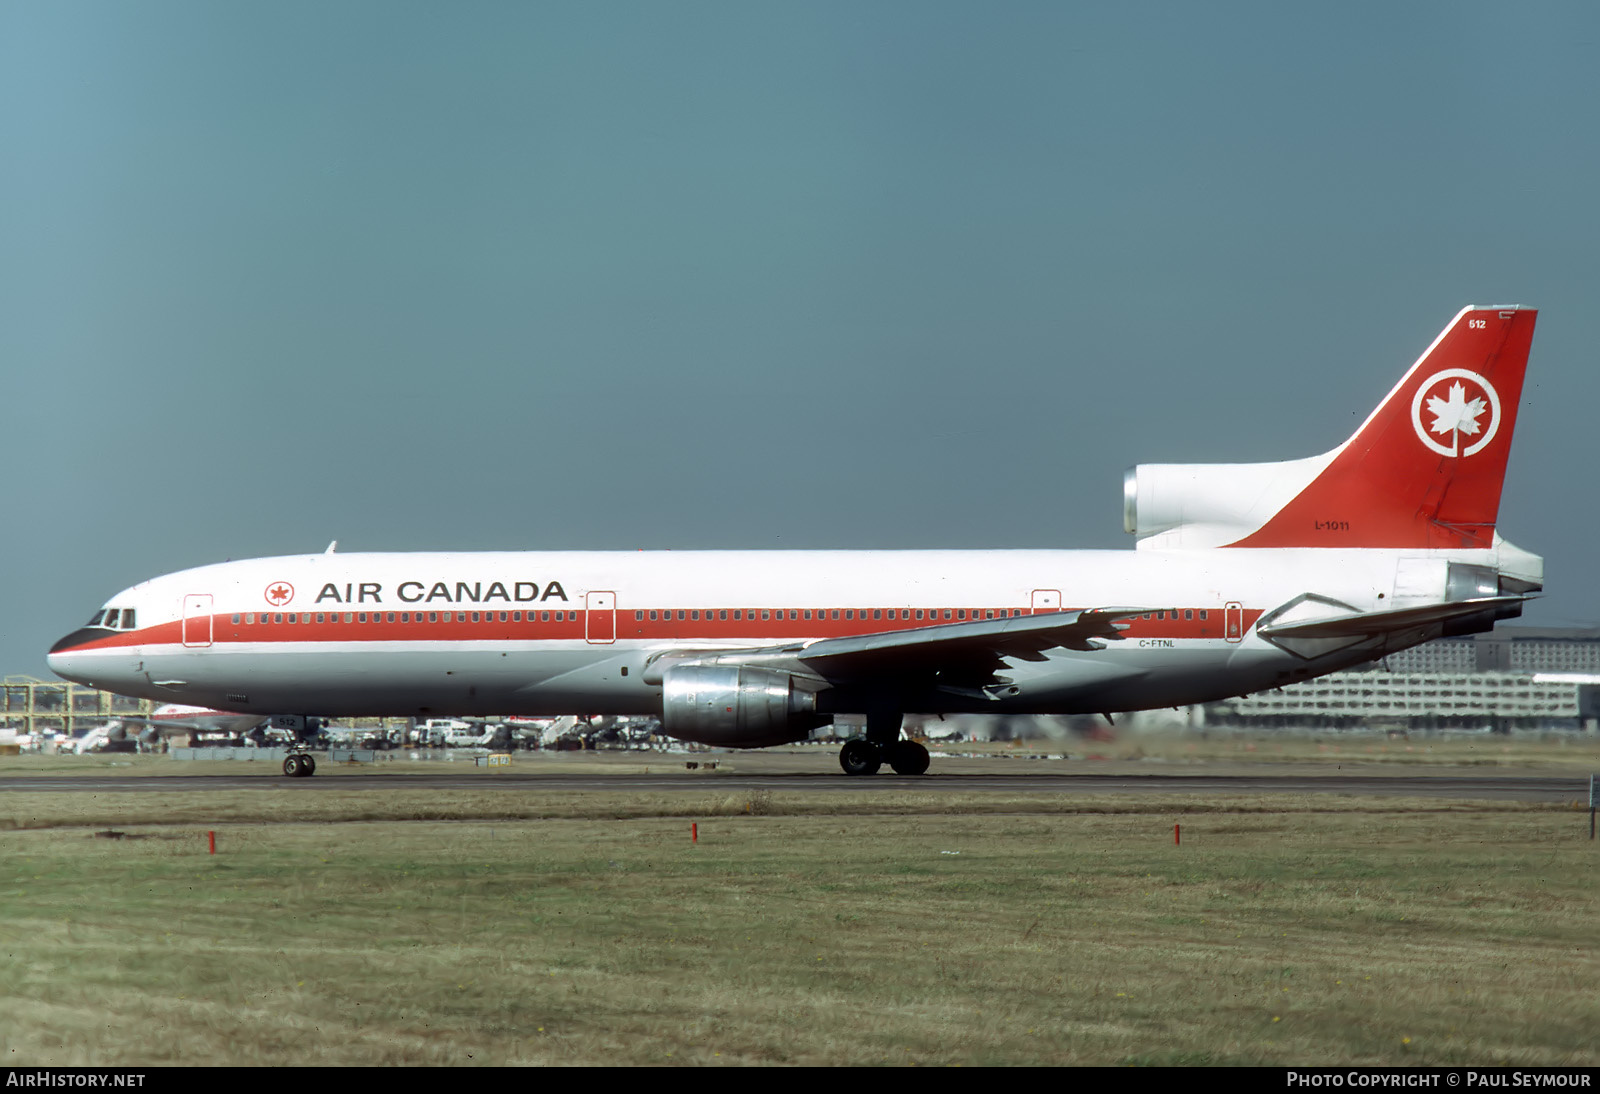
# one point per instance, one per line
(967, 653)
(966, 646)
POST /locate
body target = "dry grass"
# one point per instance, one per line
(800, 929)
(1343, 748)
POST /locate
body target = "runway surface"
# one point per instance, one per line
(1541, 788)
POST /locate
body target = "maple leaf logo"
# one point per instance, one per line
(1455, 424)
(1456, 414)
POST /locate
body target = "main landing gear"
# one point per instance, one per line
(882, 745)
(299, 765)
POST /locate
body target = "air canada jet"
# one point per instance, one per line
(1244, 577)
(170, 718)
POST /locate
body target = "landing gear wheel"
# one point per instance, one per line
(297, 765)
(291, 766)
(308, 766)
(860, 757)
(908, 758)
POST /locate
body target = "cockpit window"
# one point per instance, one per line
(94, 620)
(127, 619)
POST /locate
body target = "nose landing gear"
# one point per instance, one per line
(299, 763)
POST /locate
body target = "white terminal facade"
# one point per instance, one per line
(1512, 678)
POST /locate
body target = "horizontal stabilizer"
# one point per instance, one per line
(1372, 624)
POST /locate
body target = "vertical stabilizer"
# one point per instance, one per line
(1425, 469)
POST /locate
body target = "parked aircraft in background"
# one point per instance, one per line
(1245, 576)
(170, 718)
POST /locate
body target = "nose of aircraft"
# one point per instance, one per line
(61, 657)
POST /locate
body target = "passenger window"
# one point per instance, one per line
(277, 617)
(391, 617)
(1188, 613)
(723, 614)
(877, 613)
(1204, 614)
(348, 617)
(695, 615)
(363, 617)
(766, 613)
(836, 613)
(638, 617)
(808, 613)
(680, 615)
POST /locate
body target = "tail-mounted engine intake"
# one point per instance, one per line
(1208, 505)
(738, 706)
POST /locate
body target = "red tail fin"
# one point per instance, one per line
(1424, 471)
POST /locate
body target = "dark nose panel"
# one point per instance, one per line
(80, 637)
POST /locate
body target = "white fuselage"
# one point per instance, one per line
(574, 632)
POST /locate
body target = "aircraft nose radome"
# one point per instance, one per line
(63, 659)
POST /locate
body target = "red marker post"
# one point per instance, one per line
(212, 838)
(1174, 835)
(694, 832)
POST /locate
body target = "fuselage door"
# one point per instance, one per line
(600, 618)
(1046, 600)
(1233, 621)
(197, 620)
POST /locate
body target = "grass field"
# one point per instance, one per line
(902, 927)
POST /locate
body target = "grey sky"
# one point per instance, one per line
(618, 275)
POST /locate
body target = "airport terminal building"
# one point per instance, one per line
(1523, 678)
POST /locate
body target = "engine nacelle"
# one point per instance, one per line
(1209, 505)
(737, 706)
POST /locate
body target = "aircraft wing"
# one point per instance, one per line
(977, 646)
(969, 653)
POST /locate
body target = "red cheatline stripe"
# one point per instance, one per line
(574, 626)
